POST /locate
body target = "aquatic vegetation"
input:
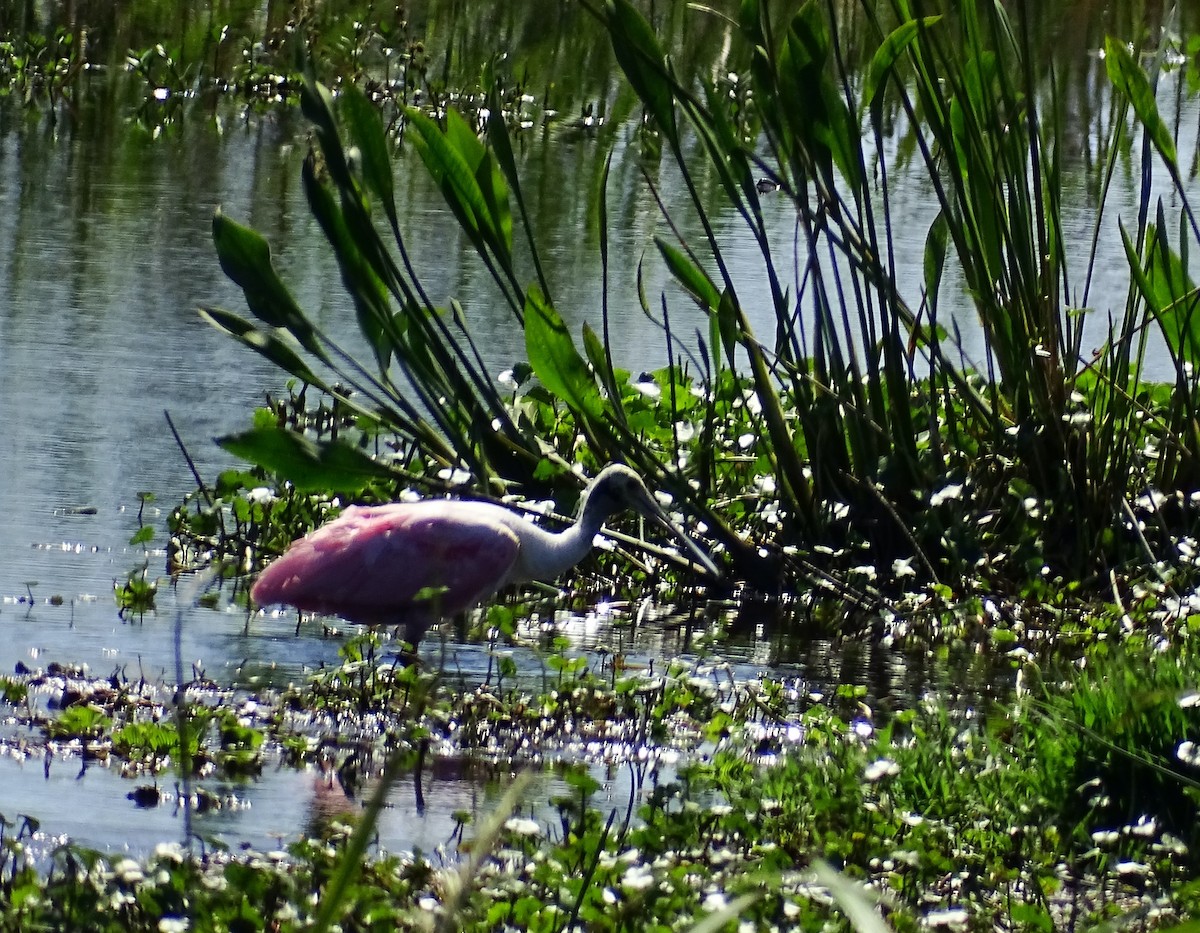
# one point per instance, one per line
(954, 813)
(857, 462)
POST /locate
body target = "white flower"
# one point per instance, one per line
(877, 770)
(648, 387)
(523, 827)
(946, 493)
(169, 852)
(128, 871)
(903, 567)
(173, 925)
(638, 878)
(1188, 753)
(952, 917)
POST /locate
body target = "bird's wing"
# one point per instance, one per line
(372, 564)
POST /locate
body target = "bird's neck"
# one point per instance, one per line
(546, 555)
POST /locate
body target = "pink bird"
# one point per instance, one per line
(412, 562)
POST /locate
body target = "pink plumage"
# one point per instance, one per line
(371, 563)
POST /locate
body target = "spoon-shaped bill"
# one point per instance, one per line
(652, 510)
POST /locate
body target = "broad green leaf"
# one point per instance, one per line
(1170, 293)
(317, 105)
(370, 295)
(555, 360)
(694, 279)
(641, 58)
(593, 346)
(492, 208)
(366, 130)
(726, 150)
(450, 172)
(1130, 80)
(935, 257)
(245, 257)
(307, 465)
(263, 342)
(726, 327)
(886, 56)
(824, 124)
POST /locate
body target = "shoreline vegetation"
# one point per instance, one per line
(857, 472)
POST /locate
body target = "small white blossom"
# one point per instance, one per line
(638, 878)
(877, 770)
(128, 871)
(523, 827)
(946, 493)
(952, 917)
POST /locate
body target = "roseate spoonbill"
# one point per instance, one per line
(410, 562)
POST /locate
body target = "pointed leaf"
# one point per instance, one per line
(263, 342)
(366, 130)
(726, 327)
(1131, 81)
(886, 56)
(935, 257)
(641, 58)
(492, 209)
(694, 279)
(331, 465)
(555, 360)
(370, 295)
(245, 257)
(1171, 295)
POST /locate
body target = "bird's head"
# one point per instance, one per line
(618, 488)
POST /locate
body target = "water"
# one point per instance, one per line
(104, 239)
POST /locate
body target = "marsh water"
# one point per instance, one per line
(105, 255)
